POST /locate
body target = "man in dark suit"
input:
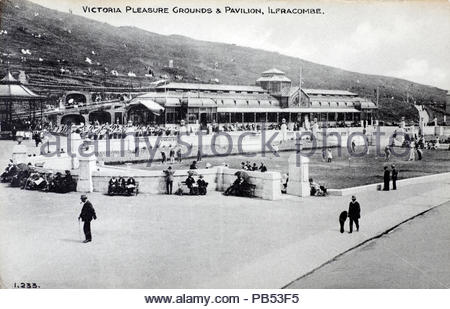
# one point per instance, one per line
(354, 213)
(394, 177)
(387, 178)
(169, 179)
(86, 215)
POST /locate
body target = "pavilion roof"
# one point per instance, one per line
(11, 88)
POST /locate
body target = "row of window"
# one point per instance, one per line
(338, 103)
(218, 91)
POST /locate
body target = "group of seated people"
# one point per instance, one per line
(240, 187)
(317, 189)
(30, 179)
(121, 186)
(247, 166)
(231, 127)
(198, 187)
(97, 131)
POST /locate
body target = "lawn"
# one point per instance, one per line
(343, 172)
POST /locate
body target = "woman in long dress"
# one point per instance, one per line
(412, 153)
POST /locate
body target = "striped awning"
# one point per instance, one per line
(201, 102)
(248, 110)
(172, 102)
(285, 110)
(319, 110)
(368, 105)
(151, 105)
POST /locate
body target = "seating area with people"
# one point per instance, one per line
(241, 186)
(97, 131)
(31, 178)
(317, 189)
(120, 186)
(247, 166)
(192, 186)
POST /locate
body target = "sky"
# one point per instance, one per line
(405, 39)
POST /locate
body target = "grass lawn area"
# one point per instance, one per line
(342, 172)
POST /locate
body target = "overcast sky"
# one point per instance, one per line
(407, 40)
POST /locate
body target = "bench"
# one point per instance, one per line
(250, 190)
(124, 192)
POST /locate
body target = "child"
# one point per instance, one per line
(202, 185)
(342, 219)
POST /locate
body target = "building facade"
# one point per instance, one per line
(271, 100)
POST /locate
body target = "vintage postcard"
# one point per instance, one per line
(224, 145)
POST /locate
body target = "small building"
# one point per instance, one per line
(16, 100)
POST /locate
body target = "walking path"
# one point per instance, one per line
(159, 241)
(414, 255)
(281, 267)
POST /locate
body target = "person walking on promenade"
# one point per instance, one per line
(163, 157)
(412, 152)
(354, 213)
(179, 155)
(199, 155)
(387, 153)
(387, 177)
(419, 151)
(394, 177)
(172, 156)
(329, 155)
(169, 179)
(86, 215)
(342, 218)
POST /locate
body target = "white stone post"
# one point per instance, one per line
(87, 166)
(421, 126)
(438, 130)
(271, 189)
(73, 146)
(130, 144)
(19, 154)
(220, 178)
(298, 183)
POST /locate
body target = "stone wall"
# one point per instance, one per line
(218, 178)
(268, 184)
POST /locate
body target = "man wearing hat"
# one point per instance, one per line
(394, 173)
(354, 211)
(87, 214)
(387, 178)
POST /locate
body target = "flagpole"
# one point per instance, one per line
(378, 94)
(300, 82)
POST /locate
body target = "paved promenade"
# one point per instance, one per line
(415, 255)
(158, 241)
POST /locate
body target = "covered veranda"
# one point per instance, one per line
(275, 115)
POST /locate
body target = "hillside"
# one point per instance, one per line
(64, 40)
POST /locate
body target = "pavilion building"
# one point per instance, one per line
(272, 99)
